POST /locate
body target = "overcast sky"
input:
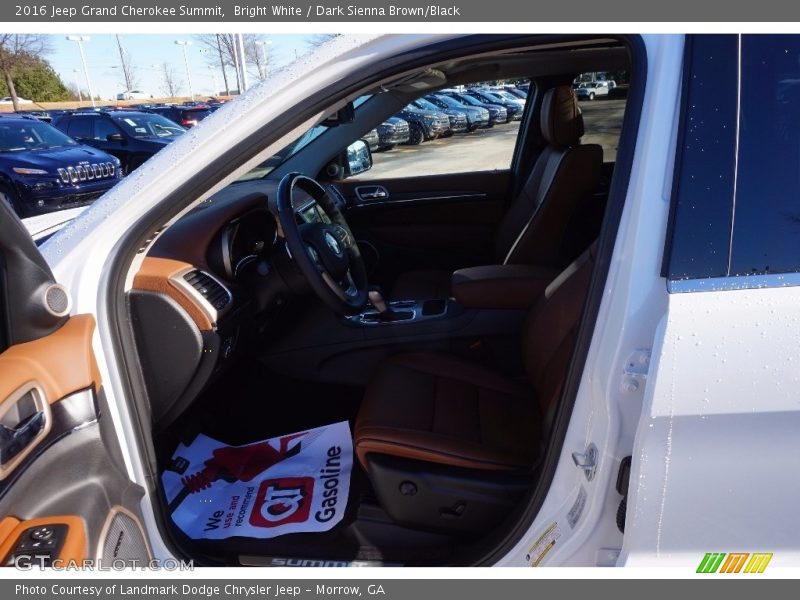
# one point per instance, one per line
(148, 53)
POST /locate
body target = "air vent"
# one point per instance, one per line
(209, 288)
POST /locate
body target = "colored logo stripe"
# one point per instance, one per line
(735, 561)
(758, 562)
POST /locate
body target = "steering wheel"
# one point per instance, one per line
(327, 254)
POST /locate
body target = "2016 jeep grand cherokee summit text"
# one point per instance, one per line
(475, 363)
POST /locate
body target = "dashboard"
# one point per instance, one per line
(216, 280)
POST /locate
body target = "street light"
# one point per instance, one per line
(78, 86)
(80, 39)
(264, 44)
(183, 44)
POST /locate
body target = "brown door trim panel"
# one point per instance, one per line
(60, 364)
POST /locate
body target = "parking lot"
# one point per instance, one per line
(489, 149)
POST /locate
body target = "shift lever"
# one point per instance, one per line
(377, 300)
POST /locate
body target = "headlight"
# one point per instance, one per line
(24, 171)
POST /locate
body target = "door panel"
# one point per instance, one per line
(432, 222)
(62, 475)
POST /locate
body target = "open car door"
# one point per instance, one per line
(65, 496)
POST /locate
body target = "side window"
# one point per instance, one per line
(453, 131)
(735, 206)
(602, 96)
(103, 128)
(80, 128)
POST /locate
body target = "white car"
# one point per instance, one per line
(133, 95)
(9, 100)
(592, 89)
(199, 367)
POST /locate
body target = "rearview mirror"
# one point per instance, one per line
(358, 158)
(343, 116)
(115, 137)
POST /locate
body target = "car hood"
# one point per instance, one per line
(57, 157)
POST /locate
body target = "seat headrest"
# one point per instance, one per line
(562, 122)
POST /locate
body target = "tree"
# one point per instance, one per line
(16, 52)
(223, 52)
(170, 84)
(38, 81)
(318, 39)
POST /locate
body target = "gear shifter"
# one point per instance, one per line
(385, 312)
(377, 300)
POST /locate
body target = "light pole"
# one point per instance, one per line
(184, 44)
(214, 80)
(264, 44)
(242, 63)
(78, 86)
(80, 39)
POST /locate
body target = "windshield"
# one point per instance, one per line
(426, 105)
(505, 95)
(471, 100)
(148, 125)
(273, 161)
(15, 137)
(448, 101)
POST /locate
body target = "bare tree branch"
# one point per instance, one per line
(170, 85)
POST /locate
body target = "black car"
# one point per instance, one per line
(476, 117)
(186, 116)
(423, 124)
(131, 136)
(458, 120)
(42, 170)
(513, 108)
(391, 132)
(497, 113)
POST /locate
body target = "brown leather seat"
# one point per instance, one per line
(532, 230)
(449, 411)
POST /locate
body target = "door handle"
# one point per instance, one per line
(25, 419)
(14, 440)
(376, 192)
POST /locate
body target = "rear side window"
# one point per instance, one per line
(736, 206)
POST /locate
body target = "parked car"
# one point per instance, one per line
(43, 170)
(186, 116)
(498, 113)
(391, 132)
(594, 89)
(424, 125)
(517, 92)
(133, 95)
(42, 115)
(513, 108)
(508, 95)
(9, 100)
(458, 118)
(131, 136)
(477, 117)
(201, 369)
(372, 139)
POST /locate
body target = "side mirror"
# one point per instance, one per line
(343, 116)
(115, 137)
(357, 159)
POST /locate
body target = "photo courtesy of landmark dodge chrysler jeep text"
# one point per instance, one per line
(570, 339)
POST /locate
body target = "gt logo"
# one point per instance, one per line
(281, 501)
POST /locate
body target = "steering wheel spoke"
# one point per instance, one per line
(326, 251)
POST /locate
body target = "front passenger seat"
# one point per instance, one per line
(450, 444)
(533, 228)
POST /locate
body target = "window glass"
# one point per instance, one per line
(81, 127)
(766, 231)
(704, 180)
(460, 130)
(103, 128)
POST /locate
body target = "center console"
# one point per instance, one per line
(405, 312)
